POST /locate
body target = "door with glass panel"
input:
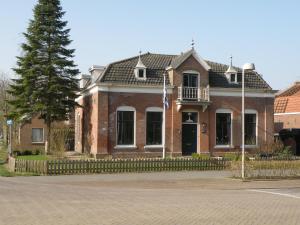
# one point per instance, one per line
(189, 133)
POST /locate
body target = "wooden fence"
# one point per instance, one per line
(60, 167)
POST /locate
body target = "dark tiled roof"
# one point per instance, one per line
(217, 78)
(122, 72)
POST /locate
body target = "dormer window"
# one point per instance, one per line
(140, 69)
(233, 78)
(141, 73)
(231, 73)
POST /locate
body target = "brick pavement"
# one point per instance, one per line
(154, 198)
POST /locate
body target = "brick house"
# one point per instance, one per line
(287, 116)
(32, 133)
(121, 112)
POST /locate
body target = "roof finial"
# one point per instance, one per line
(193, 43)
(140, 53)
(230, 60)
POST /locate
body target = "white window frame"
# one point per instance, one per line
(228, 75)
(136, 72)
(191, 72)
(127, 109)
(38, 142)
(152, 109)
(253, 111)
(227, 111)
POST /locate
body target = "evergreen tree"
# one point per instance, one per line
(47, 83)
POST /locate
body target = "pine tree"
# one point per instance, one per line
(47, 83)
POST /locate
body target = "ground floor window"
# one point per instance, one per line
(250, 129)
(125, 127)
(154, 128)
(37, 135)
(223, 128)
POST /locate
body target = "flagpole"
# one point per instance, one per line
(164, 119)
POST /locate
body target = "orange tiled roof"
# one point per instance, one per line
(288, 101)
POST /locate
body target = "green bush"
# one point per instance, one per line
(200, 156)
(235, 156)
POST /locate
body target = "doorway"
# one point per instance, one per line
(189, 133)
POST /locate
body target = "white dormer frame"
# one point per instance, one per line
(228, 76)
(140, 67)
(137, 73)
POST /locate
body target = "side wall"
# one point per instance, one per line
(265, 126)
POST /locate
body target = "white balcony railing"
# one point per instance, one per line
(193, 94)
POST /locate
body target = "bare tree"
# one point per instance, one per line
(4, 106)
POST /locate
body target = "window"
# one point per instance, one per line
(223, 128)
(232, 78)
(37, 135)
(154, 128)
(250, 129)
(190, 80)
(141, 73)
(125, 127)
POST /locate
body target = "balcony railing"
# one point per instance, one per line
(193, 94)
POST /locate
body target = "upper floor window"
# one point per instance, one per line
(233, 78)
(190, 80)
(140, 69)
(141, 73)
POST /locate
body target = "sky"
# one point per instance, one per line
(265, 32)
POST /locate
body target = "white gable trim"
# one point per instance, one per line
(197, 57)
(123, 89)
(201, 61)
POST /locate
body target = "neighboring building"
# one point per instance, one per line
(287, 116)
(122, 107)
(32, 134)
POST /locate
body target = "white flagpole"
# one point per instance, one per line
(164, 119)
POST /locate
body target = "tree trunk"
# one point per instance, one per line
(48, 146)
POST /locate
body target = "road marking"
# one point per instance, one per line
(276, 193)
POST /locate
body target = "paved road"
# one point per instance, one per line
(151, 198)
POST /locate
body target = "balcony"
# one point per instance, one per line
(193, 96)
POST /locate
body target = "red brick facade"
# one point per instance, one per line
(96, 120)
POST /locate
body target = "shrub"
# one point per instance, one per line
(200, 156)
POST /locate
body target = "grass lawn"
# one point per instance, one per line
(3, 155)
(33, 157)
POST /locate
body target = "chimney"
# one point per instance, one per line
(84, 78)
(96, 71)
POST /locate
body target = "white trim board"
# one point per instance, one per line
(286, 114)
(142, 89)
(225, 93)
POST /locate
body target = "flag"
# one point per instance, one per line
(165, 96)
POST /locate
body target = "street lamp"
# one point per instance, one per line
(246, 67)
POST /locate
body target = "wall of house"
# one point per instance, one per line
(25, 134)
(25, 138)
(265, 109)
(140, 102)
(286, 121)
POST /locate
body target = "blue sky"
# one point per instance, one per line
(264, 32)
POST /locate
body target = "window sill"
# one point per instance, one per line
(125, 147)
(38, 142)
(250, 146)
(152, 146)
(223, 146)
